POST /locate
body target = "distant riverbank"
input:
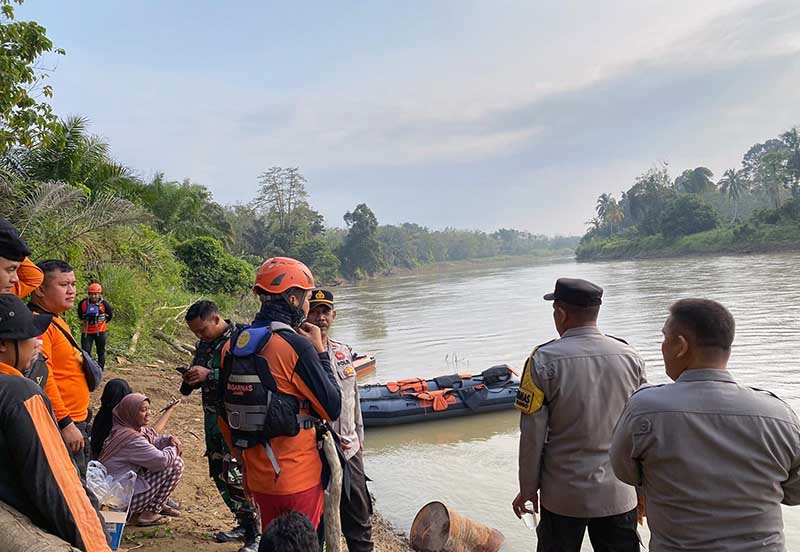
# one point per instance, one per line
(739, 239)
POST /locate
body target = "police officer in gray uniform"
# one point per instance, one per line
(714, 459)
(572, 392)
(356, 505)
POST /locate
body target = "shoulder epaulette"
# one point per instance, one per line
(770, 393)
(647, 386)
(618, 339)
(543, 345)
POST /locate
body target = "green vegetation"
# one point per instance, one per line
(754, 208)
(158, 245)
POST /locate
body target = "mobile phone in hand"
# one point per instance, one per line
(181, 370)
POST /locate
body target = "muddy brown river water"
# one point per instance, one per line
(465, 320)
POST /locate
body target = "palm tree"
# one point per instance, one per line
(602, 204)
(614, 214)
(695, 181)
(733, 184)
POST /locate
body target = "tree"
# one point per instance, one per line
(361, 252)
(791, 139)
(771, 175)
(25, 119)
(687, 214)
(210, 270)
(602, 205)
(647, 198)
(282, 201)
(613, 214)
(695, 181)
(733, 184)
(317, 255)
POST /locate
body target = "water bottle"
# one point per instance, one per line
(529, 518)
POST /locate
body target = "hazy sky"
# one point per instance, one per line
(445, 113)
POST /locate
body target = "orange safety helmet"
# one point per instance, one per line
(95, 288)
(280, 274)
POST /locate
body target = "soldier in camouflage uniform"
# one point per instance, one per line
(213, 331)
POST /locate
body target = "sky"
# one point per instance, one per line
(476, 115)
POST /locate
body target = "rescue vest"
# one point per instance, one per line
(251, 404)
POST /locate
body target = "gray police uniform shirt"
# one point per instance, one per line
(350, 424)
(586, 379)
(715, 460)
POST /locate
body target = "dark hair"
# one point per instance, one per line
(114, 391)
(202, 309)
(54, 265)
(580, 314)
(708, 322)
(289, 532)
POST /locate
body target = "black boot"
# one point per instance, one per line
(235, 534)
(251, 537)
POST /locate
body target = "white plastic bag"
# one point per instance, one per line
(115, 494)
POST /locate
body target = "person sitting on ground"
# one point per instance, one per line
(113, 392)
(18, 275)
(94, 313)
(38, 477)
(289, 532)
(156, 459)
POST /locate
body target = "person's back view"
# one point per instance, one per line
(715, 459)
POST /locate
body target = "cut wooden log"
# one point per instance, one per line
(19, 534)
(182, 348)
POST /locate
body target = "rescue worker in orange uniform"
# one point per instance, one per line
(18, 274)
(66, 386)
(285, 473)
(94, 313)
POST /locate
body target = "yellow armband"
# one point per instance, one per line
(529, 397)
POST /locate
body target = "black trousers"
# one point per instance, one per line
(100, 339)
(83, 456)
(356, 510)
(616, 533)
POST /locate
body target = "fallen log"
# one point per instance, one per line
(19, 534)
(182, 348)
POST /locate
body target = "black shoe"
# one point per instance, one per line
(235, 534)
(250, 546)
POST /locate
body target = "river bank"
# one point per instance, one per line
(203, 512)
(730, 240)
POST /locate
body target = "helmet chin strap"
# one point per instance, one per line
(298, 316)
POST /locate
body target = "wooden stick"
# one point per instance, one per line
(333, 496)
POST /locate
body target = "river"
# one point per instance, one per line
(469, 319)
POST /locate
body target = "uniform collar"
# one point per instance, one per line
(706, 374)
(582, 330)
(10, 370)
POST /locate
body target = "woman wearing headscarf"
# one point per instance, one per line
(155, 458)
(114, 391)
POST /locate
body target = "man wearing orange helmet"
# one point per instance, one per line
(94, 313)
(276, 378)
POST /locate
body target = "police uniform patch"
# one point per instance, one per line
(243, 340)
(339, 355)
(349, 371)
(529, 397)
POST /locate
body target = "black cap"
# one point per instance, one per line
(12, 247)
(321, 297)
(18, 322)
(575, 291)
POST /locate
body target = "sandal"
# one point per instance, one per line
(167, 511)
(158, 520)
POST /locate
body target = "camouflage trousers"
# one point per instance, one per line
(227, 475)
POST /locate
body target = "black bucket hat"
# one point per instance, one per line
(12, 247)
(18, 322)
